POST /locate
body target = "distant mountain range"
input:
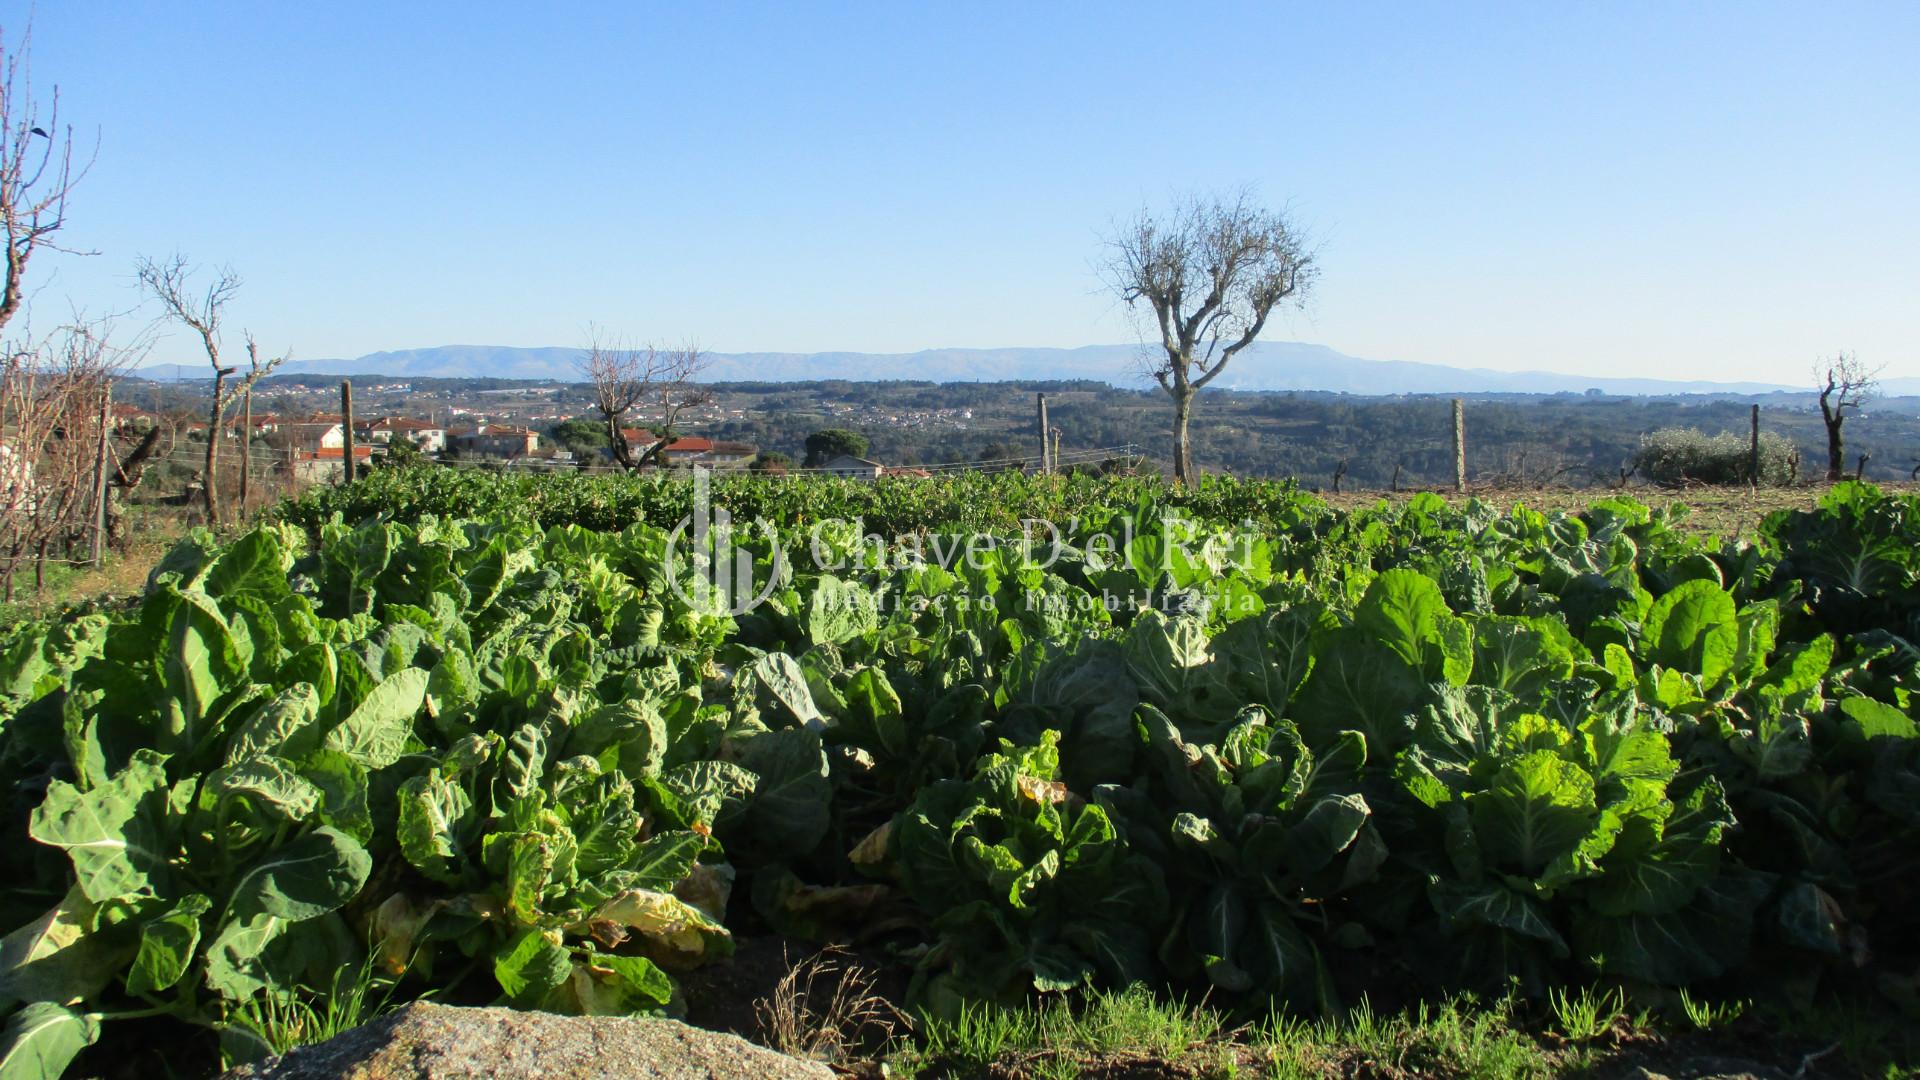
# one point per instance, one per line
(1275, 365)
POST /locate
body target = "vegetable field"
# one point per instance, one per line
(470, 732)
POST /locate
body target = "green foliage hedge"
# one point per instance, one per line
(1685, 455)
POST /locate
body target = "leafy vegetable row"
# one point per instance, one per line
(1327, 752)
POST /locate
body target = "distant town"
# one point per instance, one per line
(297, 430)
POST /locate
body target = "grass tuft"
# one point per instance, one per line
(273, 1023)
(1585, 1016)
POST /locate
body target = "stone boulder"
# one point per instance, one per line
(438, 1042)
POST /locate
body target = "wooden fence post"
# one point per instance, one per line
(1459, 446)
(346, 421)
(1046, 458)
(246, 449)
(1753, 451)
(99, 546)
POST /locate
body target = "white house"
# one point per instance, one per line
(317, 435)
(18, 494)
(853, 468)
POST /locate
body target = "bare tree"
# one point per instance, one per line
(1211, 271)
(1845, 384)
(36, 172)
(627, 379)
(52, 395)
(201, 311)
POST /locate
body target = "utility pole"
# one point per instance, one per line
(346, 422)
(1459, 446)
(1046, 459)
(100, 478)
(1753, 451)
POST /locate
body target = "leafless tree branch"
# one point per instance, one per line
(626, 378)
(37, 171)
(201, 310)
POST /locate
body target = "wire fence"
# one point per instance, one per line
(196, 458)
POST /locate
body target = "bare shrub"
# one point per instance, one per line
(51, 398)
(1689, 456)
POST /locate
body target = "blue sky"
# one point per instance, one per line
(1702, 190)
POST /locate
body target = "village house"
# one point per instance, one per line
(309, 436)
(133, 418)
(732, 455)
(494, 440)
(688, 451)
(424, 434)
(853, 468)
(328, 464)
(638, 440)
(263, 424)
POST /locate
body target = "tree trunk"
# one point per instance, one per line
(617, 443)
(1182, 444)
(1833, 418)
(349, 470)
(126, 477)
(97, 542)
(655, 454)
(211, 489)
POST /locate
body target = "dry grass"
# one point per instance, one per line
(122, 573)
(826, 1008)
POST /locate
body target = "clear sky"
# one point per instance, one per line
(1702, 190)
